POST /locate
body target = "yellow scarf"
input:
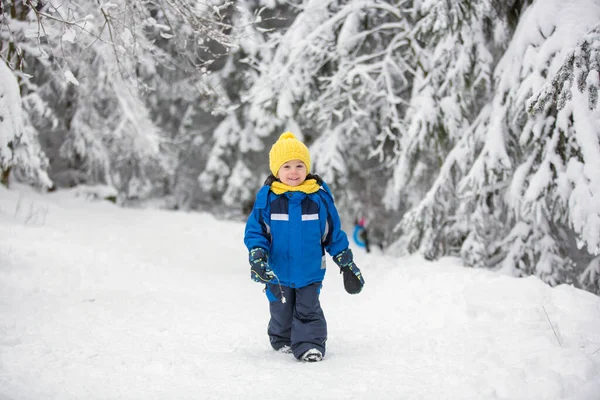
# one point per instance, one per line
(308, 186)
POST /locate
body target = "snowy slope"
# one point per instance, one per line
(98, 302)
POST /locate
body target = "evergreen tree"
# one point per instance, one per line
(339, 76)
(504, 192)
(19, 148)
(101, 61)
(561, 183)
(235, 165)
(447, 112)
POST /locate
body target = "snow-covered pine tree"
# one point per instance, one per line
(19, 147)
(236, 165)
(286, 72)
(28, 161)
(503, 194)
(122, 42)
(110, 135)
(11, 121)
(339, 73)
(447, 111)
(529, 164)
(360, 99)
(565, 118)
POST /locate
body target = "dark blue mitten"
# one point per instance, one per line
(259, 266)
(353, 280)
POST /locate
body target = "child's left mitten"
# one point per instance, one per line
(353, 279)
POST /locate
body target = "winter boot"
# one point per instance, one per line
(312, 355)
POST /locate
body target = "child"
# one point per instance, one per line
(293, 222)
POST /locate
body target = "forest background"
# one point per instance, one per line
(457, 128)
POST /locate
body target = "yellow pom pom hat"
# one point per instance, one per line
(285, 149)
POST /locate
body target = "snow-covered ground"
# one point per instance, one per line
(99, 302)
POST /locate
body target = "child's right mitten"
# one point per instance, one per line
(259, 266)
(353, 279)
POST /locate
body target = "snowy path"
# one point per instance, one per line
(98, 302)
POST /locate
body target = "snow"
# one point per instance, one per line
(69, 35)
(348, 37)
(100, 302)
(71, 78)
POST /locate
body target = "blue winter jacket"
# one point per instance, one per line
(296, 228)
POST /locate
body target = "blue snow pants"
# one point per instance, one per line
(299, 322)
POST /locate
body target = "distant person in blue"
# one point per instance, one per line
(361, 235)
(293, 222)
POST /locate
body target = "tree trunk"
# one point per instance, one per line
(4, 173)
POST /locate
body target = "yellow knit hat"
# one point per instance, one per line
(285, 149)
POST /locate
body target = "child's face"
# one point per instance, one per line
(292, 173)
